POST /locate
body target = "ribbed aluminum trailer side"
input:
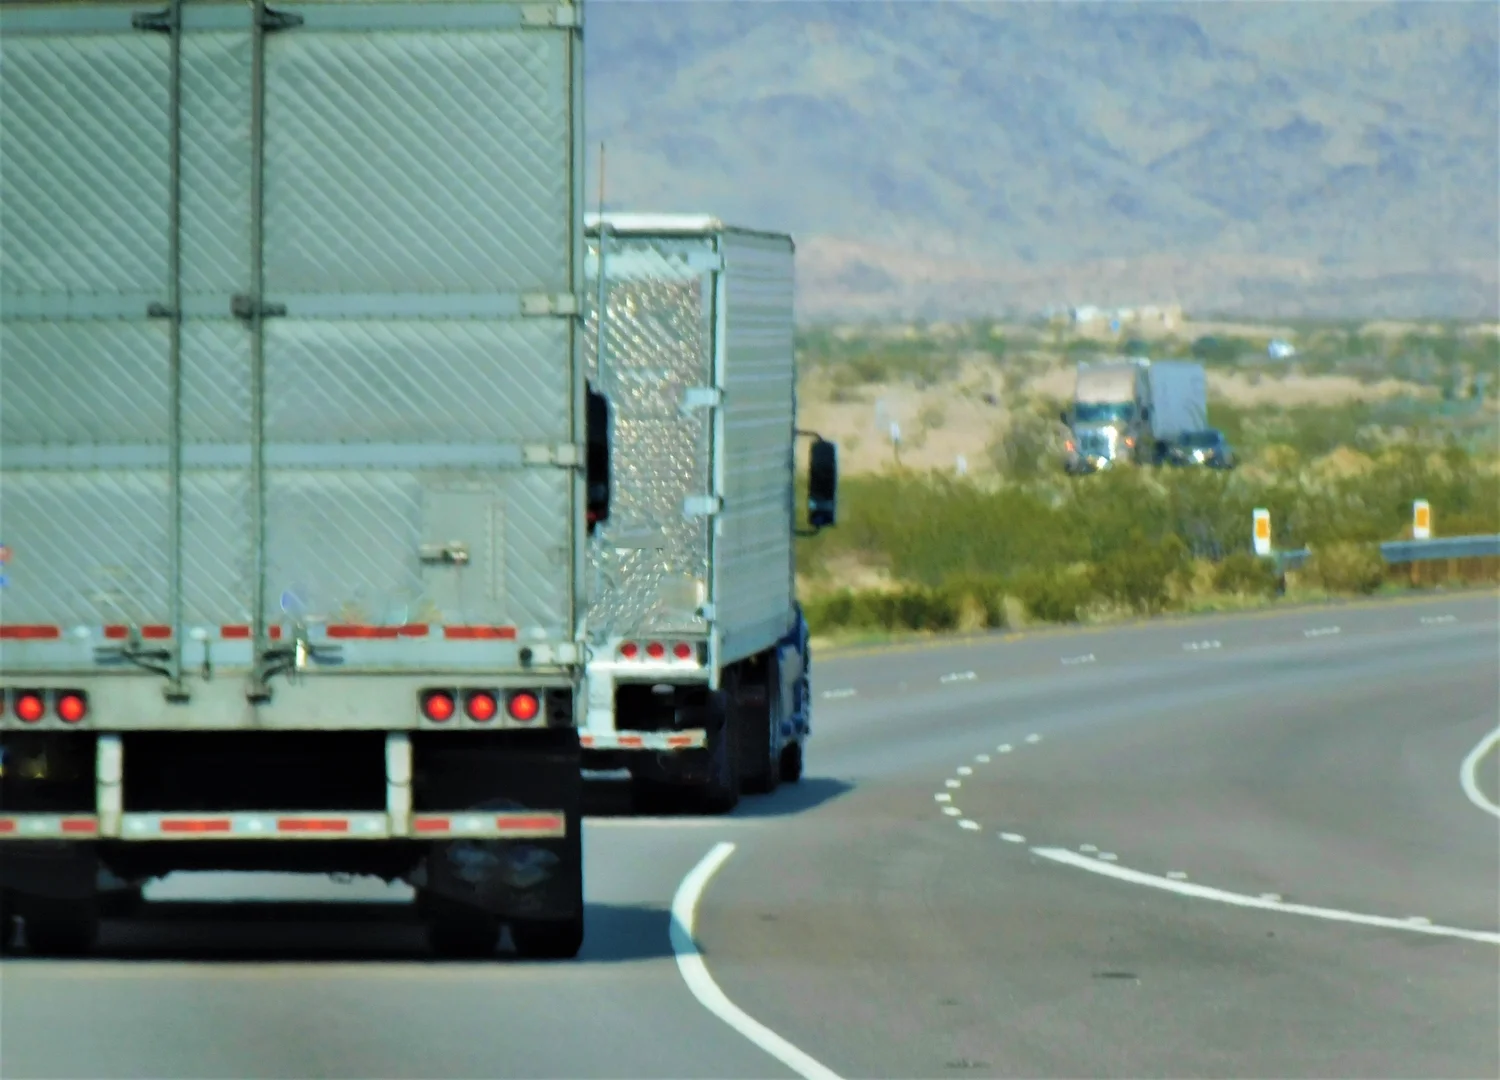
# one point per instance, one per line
(699, 661)
(292, 431)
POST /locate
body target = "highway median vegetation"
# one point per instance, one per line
(939, 553)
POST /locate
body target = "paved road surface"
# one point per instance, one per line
(893, 916)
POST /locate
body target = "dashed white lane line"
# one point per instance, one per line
(1013, 838)
(1433, 620)
(1468, 773)
(1087, 849)
(958, 676)
(1223, 896)
(983, 759)
(1004, 748)
(952, 811)
(965, 770)
(954, 783)
(1322, 631)
(1274, 897)
(701, 983)
(972, 826)
(1108, 856)
(1198, 646)
(1176, 875)
(846, 692)
(1086, 658)
(943, 796)
(1033, 739)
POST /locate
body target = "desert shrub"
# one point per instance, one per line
(1346, 567)
(1053, 595)
(1246, 574)
(911, 607)
(978, 600)
(1138, 576)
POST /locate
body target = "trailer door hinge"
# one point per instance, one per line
(557, 16)
(242, 306)
(701, 397)
(701, 505)
(540, 305)
(564, 454)
(154, 22)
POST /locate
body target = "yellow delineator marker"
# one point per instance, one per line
(1421, 520)
(1262, 532)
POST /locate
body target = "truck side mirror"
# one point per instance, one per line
(600, 435)
(1063, 416)
(823, 484)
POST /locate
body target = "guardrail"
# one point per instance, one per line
(1397, 552)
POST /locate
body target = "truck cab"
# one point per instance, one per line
(1110, 419)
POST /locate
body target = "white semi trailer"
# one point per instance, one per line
(698, 671)
(292, 455)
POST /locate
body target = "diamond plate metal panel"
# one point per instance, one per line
(215, 244)
(83, 382)
(344, 546)
(650, 562)
(753, 571)
(86, 547)
(418, 161)
(418, 381)
(83, 175)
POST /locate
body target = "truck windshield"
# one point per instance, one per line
(1103, 412)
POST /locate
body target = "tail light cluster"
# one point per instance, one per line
(34, 706)
(659, 651)
(480, 706)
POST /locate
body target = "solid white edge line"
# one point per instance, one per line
(1204, 892)
(1468, 773)
(701, 983)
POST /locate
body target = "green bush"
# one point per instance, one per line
(1246, 574)
(1053, 595)
(978, 601)
(1138, 575)
(908, 608)
(1345, 567)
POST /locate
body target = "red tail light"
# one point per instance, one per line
(30, 708)
(437, 706)
(682, 650)
(656, 650)
(630, 650)
(481, 706)
(524, 706)
(72, 707)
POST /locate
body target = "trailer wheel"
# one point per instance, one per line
(791, 762)
(762, 769)
(121, 903)
(458, 932)
(551, 939)
(722, 792)
(7, 924)
(59, 927)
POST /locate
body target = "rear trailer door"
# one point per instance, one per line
(289, 330)
(650, 561)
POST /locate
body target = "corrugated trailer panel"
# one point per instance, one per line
(753, 577)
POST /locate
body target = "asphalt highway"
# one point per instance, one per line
(1261, 845)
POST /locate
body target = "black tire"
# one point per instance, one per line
(762, 771)
(551, 939)
(121, 903)
(60, 927)
(456, 932)
(7, 925)
(791, 763)
(722, 792)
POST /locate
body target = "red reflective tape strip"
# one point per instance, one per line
(23, 632)
(7, 825)
(479, 633)
(234, 633)
(156, 633)
(679, 740)
(117, 633)
(631, 741)
(80, 826)
(197, 825)
(431, 824)
(530, 822)
(585, 740)
(329, 825)
(340, 630)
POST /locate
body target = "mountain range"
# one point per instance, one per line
(942, 159)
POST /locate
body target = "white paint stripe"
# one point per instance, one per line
(1322, 631)
(1087, 847)
(701, 983)
(954, 783)
(1468, 773)
(1033, 738)
(1108, 856)
(943, 796)
(1004, 748)
(1086, 658)
(964, 770)
(1176, 875)
(1273, 897)
(1203, 892)
(1013, 837)
(844, 693)
(967, 824)
(959, 676)
(1429, 620)
(952, 811)
(983, 759)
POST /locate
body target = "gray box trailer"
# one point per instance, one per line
(1179, 400)
(699, 665)
(292, 431)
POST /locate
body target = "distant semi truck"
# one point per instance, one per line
(1131, 409)
(698, 669)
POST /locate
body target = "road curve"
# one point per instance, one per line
(891, 916)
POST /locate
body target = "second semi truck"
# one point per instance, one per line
(698, 676)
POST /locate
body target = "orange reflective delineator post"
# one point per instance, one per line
(1421, 520)
(1261, 534)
